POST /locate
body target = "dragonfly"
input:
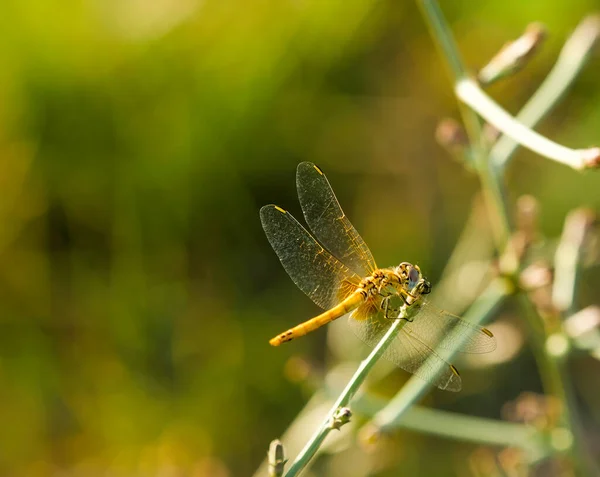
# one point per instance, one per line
(336, 269)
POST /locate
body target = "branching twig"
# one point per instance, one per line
(472, 95)
(492, 188)
(567, 260)
(571, 60)
(470, 429)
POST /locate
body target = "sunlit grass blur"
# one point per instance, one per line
(138, 292)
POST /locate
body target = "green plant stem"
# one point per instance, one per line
(451, 425)
(475, 429)
(568, 259)
(495, 196)
(556, 382)
(469, 92)
(472, 95)
(567, 265)
(572, 57)
(551, 344)
(344, 398)
(493, 190)
(481, 310)
(443, 36)
(444, 40)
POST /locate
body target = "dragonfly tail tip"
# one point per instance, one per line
(275, 341)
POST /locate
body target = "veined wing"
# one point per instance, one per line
(328, 222)
(438, 328)
(312, 268)
(408, 351)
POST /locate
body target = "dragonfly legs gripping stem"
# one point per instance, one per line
(392, 313)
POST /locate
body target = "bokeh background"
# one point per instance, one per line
(138, 141)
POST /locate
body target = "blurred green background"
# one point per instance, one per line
(138, 141)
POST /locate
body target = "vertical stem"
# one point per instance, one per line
(344, 398)
(493, 191)
(550, 348)
(443, 36)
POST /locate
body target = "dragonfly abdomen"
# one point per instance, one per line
(349, 304)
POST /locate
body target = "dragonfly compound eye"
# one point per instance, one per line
(413, 277)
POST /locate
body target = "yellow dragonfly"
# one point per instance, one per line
(339, 274)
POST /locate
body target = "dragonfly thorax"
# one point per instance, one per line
(405, 280)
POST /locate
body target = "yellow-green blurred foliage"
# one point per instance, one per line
(138, 141)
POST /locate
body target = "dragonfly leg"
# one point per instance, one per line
(384, 290)
(390, 312)
(385, 303)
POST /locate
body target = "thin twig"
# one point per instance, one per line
(567, 265)
(571, 59)
(479, 430)
(567, 260)
(469, 92)
(493, 190)
(513, 56)
(472, 95)
(344, 398)
(550, 349)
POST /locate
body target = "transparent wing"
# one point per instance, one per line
(438, 328)
(312, 268)
(408, 351)
(328, 222)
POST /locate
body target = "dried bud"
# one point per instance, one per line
(482, 461)
(340, 417)
(513, 461)
(451, 135)
(276, 457)
(535, 276)
(490, 133)
(590, 157)
(535, 409)
(513, 55)
(583, 322)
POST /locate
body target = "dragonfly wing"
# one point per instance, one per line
(312, 268)
(441, 329)
(408, 352)
(328, 222)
